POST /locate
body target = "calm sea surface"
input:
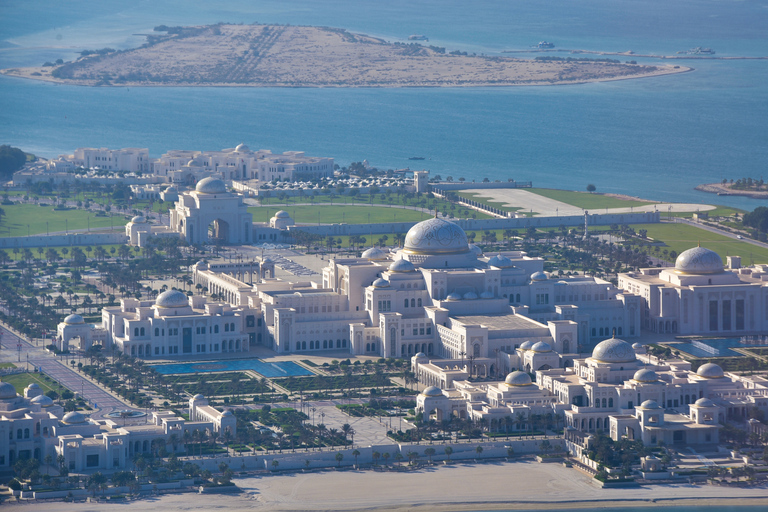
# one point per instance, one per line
(656, 137)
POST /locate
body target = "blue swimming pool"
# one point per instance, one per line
(278, 369)
(712, 347)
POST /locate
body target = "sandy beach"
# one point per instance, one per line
(459, 487)
(292, 56)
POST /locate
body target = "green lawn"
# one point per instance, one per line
(478, 197)
(337, 214)
(22, 380)
(586, 200)
(24, 219)
(680, 237)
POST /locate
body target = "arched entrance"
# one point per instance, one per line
(218, 232)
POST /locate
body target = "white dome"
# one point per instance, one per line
(650, 404)
(432, 391)
(33, 386)
(436, 236)
(710, 371)
(374, 253)
(475, 249)
(420, 355)
(705, 402)
(637, 346)
(7, 391)
(138, 220)
(402, 265)
(486, 295)
(242, 148)
(500, 261)
(380, 283)
(228, 412)
(193, 163)
(539, 276)
(453, 296)
(518, 379)
(42, 401)
(198, 397)
(470, 296)
(645, 375)
(74, 319)
(526, 345)
(73, 418)
(282, 214)
(172, 299)
(614, 350)
(541, 346)
(210, 186)
(698, 261)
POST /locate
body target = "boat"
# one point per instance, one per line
(416, 158)
(418, 37)
(545, 44)
(698, 51)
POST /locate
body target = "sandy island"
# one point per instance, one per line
(457, 487)
(726, 190)
(289, 56)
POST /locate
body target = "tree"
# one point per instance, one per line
(11, 160)
(429, 452)
(591, 188)
(339, 458)
(448, 451)
(356, 454)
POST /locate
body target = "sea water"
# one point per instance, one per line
(653, 137)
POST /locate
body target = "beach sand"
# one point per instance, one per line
(457, 487)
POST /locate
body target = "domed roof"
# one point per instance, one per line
(194, 163)
(198, 397)
(705, 402)
(172, 299)
(453, 296)
(73, 418)
(420, 355)
(33, 386)
(282, 214)
(436, 236)
(210, 186)
(645, 375)
(475, 249)
(470, 295)
(614, 350)
(138, 219)
(171, 189)
(637, 346)
(7, 391)
(541, 346)
(710, 371)
(432, 391)
(698, 260)
(500, 261)
(518, 378)
(526, 345)
(539, 276)
(650, 404)
(402, 265)
(374, 253)
(486, 295)
(242, 148)
(228, 412)
(74, 319)
(42, 401)
(380, 283)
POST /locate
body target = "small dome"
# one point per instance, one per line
(486, 295)
(710, 371)
(638, 346)
(73, 418)
(374, 253)
(42, 401)
(420, 355)
(242, 148)
(475, 250)
(698, 260)
(282, 214)
(470, 296)
(138, 220)
(194, 163)
(432, 391)
(541, 346)
(380, 283)
(402, 265)
(614, 350)
(172, 299)
(500, 261)
(7, 391)
(74, 319)
(436, 236)
(526, 345)
(228, 412)
(170, 189)
(539, 276)
(453, 296)
(650, 404)
(33, 386)
(518, 378)
(210, 186)
(705, 402)
(645, 375)
(198, 397)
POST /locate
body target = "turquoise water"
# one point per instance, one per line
(656, 137)
(723, 347)
(271, 370)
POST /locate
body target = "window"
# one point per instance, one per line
(415, 331)
(249, 320)
(157, 351)
(713, 315)
(216, 329)
(135, 331)
(91, 461)
(226, 327)
(232, 327)
(429, 330)
(405, 303)
(157, 331)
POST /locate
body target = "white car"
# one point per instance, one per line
(739, 237)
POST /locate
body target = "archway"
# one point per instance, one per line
(218, 232)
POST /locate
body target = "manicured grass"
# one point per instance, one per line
(720, 211)
(680, 237)
(22, 380)
(23, 219)
(586, 200)
(7, 365)
(477, 197)
(337, 214)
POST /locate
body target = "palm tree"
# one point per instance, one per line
(386, 458)
(339, 458)
(429, 452)
(356, 454)
(448, 451)
(375, 456)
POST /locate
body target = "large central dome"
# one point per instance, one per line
(436, 236)
(614, 350)
(210, 186)
(698, 261)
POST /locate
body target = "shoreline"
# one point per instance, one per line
(722, 190)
